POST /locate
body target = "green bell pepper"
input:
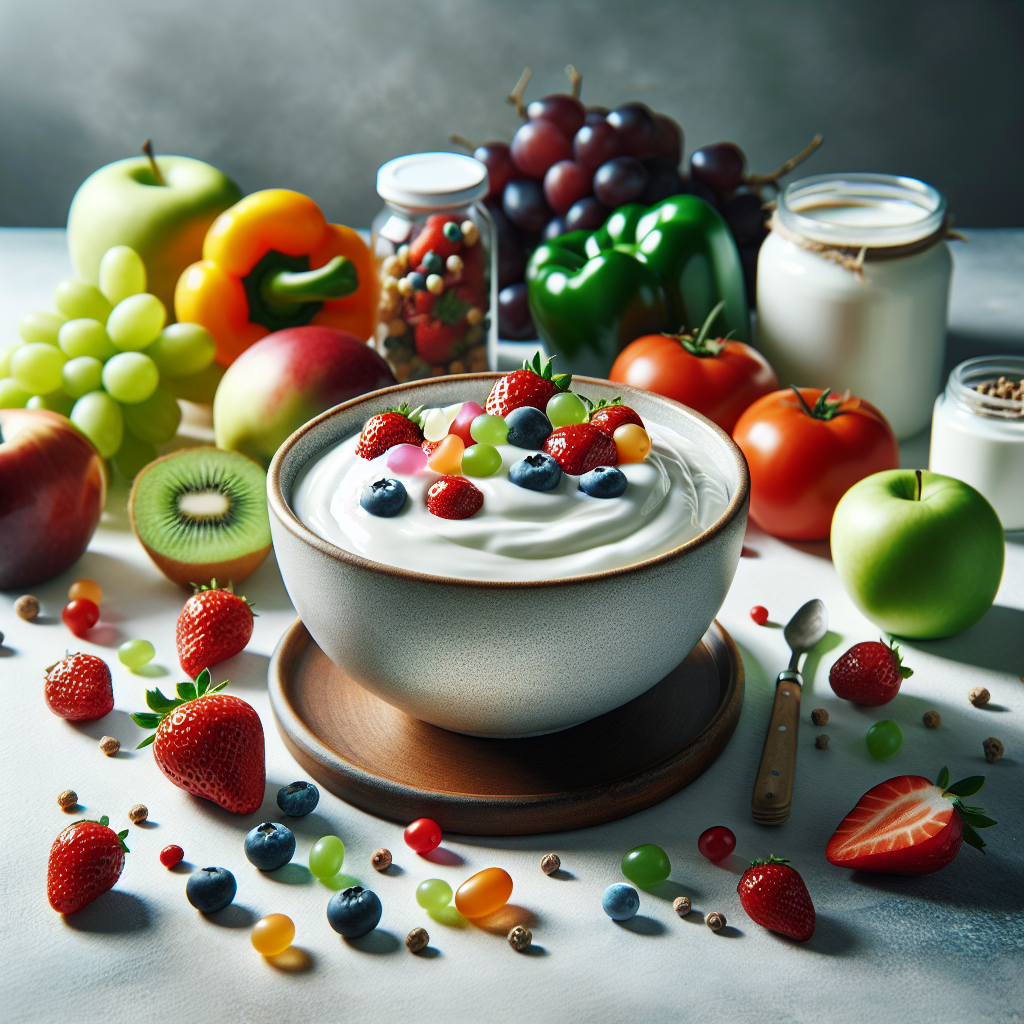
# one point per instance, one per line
(659, 268)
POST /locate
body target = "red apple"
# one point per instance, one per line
(52, 489)
(286, 379)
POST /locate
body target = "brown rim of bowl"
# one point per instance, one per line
(295, 526)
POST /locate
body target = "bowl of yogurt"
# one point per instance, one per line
(542, 609)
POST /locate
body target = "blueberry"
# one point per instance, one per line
(603, 482)
(354, 911)
(538, 472)
(418, 281)
(384, 498)
(269, 846)
(620, 902)
(210, 889)
(298, 799)
(452, 231)
(433, 263)
(527, 427)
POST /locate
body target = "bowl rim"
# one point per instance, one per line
(291, 522)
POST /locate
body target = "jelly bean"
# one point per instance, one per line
(462, 425)
(566, 408)
(716, 843)
(884, 739)
(272, 935)
(481, 460)
(434, 423)
(88, 589)
(759, 614)
(326, 857)
(633, 442)
(136, 653)
(447, 457)
(434, 894)
(423, 835)
(80, 616)
(171, 855)
(487, 891)
(406, 458)
(646, 865)
(488, 429)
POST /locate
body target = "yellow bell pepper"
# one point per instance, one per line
(272, 261)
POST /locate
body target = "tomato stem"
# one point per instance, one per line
(823, 408)
(700, 345)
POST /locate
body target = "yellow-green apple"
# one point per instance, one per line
(52, 489)
(287, 378)
(921, 554)
(122, 204)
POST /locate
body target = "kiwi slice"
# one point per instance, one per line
(202, 513)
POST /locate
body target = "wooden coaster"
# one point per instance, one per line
(395, 766)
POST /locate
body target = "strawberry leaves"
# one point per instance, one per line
(161, 706)
(105, 822)
(972, 817)
(903, 670)
(543, 369)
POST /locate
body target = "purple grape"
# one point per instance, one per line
(719, 166)
(667, 143)
(511, 247)
(554, 228)
(663, 181)
(514, 320)
(524, 205)
(634, 123)
(619, 181)
(745, 218)
(595, 114)
(586, 215)
(695, 187)
(593, 144)
(563, 110)
(495, 156)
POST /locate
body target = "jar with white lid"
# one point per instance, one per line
(435, 246)
(978, 432)
(853, 291)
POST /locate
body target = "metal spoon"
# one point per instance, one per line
(773, 790)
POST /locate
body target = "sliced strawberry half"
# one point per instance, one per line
(908, 826)
(581, 447)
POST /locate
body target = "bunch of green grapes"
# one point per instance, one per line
(107, 361)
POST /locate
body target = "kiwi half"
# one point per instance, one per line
(200, 513)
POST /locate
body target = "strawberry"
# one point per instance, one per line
(214, 625)
(437, 341)
(474, 266)
(430, 446)
(869, 673)
(386, 429)
(532, 385)
(453, 497)
(86, 859)
(78, 688)
(608, 416)
(431, 236)
(907, 826)
(580, 447)
(774, 896)
(208, 743)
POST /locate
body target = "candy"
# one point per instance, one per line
(272, 934)
(88, 589)
(463, 423)
(633, 443)
(326, 857)
(565, 408)
(423, 835)
(620, 902)
(434, 894)
(883, 739)
(488, 429)
(487, 891)
(646, 865)
(481, 460)
(406, 458)
(171, 855)
(447, 457)
(135, 653)
(759, 614)
(80, 616)
(716, 843)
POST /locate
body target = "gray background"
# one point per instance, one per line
(315, 95)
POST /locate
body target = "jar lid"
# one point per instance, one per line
(432, 181)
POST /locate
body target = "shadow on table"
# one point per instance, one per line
(294, 960)
(641, 925)
(502, 921)
(379, 942)
(232, 916)
(995, 642)
(119, 725)
(113, 913)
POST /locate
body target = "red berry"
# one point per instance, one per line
(533, 385)
(86, 859)
(759, 614)
(431, 236)
(437, 341)
(869, 673)
(214, 625)
(78, 688)
(581, 447)
(385, 430)
(171, 855)
(608, 418)
(454, 497)
(716, 843)
(423, 835)
(774, 896)
(80, 615)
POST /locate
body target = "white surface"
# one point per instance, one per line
(946, 947)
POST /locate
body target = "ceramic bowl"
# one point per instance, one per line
(505, 659)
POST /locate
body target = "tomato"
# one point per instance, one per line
(805, 453)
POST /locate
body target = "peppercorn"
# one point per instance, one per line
(138, 814)
(520, 938)
(681, 905)
(550, 863)
(381, 860)
(931, 719)
(979, 696)
(715, 921)
(821, 742)
(67, 800)
(26, 607)
(109, 745)
(417, 939)
(819, 716)
(993, 749)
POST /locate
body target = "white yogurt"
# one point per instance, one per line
(519, 534)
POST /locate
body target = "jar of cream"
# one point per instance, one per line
(853, 291)
(978, 432)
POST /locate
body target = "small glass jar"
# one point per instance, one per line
(978, 432)
(435, 246)
(853, 291)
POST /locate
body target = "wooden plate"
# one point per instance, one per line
(395, 766)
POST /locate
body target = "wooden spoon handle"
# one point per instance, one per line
(773, 789)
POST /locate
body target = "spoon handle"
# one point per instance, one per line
(773, 790)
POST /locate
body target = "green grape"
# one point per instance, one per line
(75, 298)
(130, 377)
(84, 336)
(199, 387)
(156, 419)
(566, 408)
(11, 395)
(41, 327)
(181, 350)
(647, 865)
(136, 321)
(481, 460)
(434, 894)
(136, 653)
(883, 739)
(82, 375)
(133, 454)
(55, 401)
(122, 273)
(98, 416)
(488, 429)
(36, 367)
(326, 857)
(5, 358)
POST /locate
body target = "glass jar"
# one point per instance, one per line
(978, 432)
(853, 291)
(435, 246)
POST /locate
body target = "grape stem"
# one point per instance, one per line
(515, 97)
(575, 81)
(147, 148)
(770, 179)
(461, 140)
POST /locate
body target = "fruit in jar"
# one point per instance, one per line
(80, 616)
(883, 739)
(538, 472)
(581, 447)
(298, 798)
(354, 912)
(603, 482)
(201, 513)
(920, 554)
(774, 896)
(869, 673)
(86, 859)
(423, 835)
(52, 491)
(805, 449)
(269, 846)
(620, 902)
(78, 688)
(716, 843)
(211, 889)
(484, 893)
(215, 624)
(385, 497)
(646, 866)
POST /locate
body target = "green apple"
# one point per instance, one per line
(122, 204)
(921, 554)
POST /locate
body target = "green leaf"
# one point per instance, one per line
(158, 702)
(146, 742)
(217, 688)
(202, 681)
(147, 720)
(450, 309)
(187, 691)
(971, 838)
(562, 380)
(976, 820)
(105, 820)
(967, 787)
(943, 780)
(121, 836)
